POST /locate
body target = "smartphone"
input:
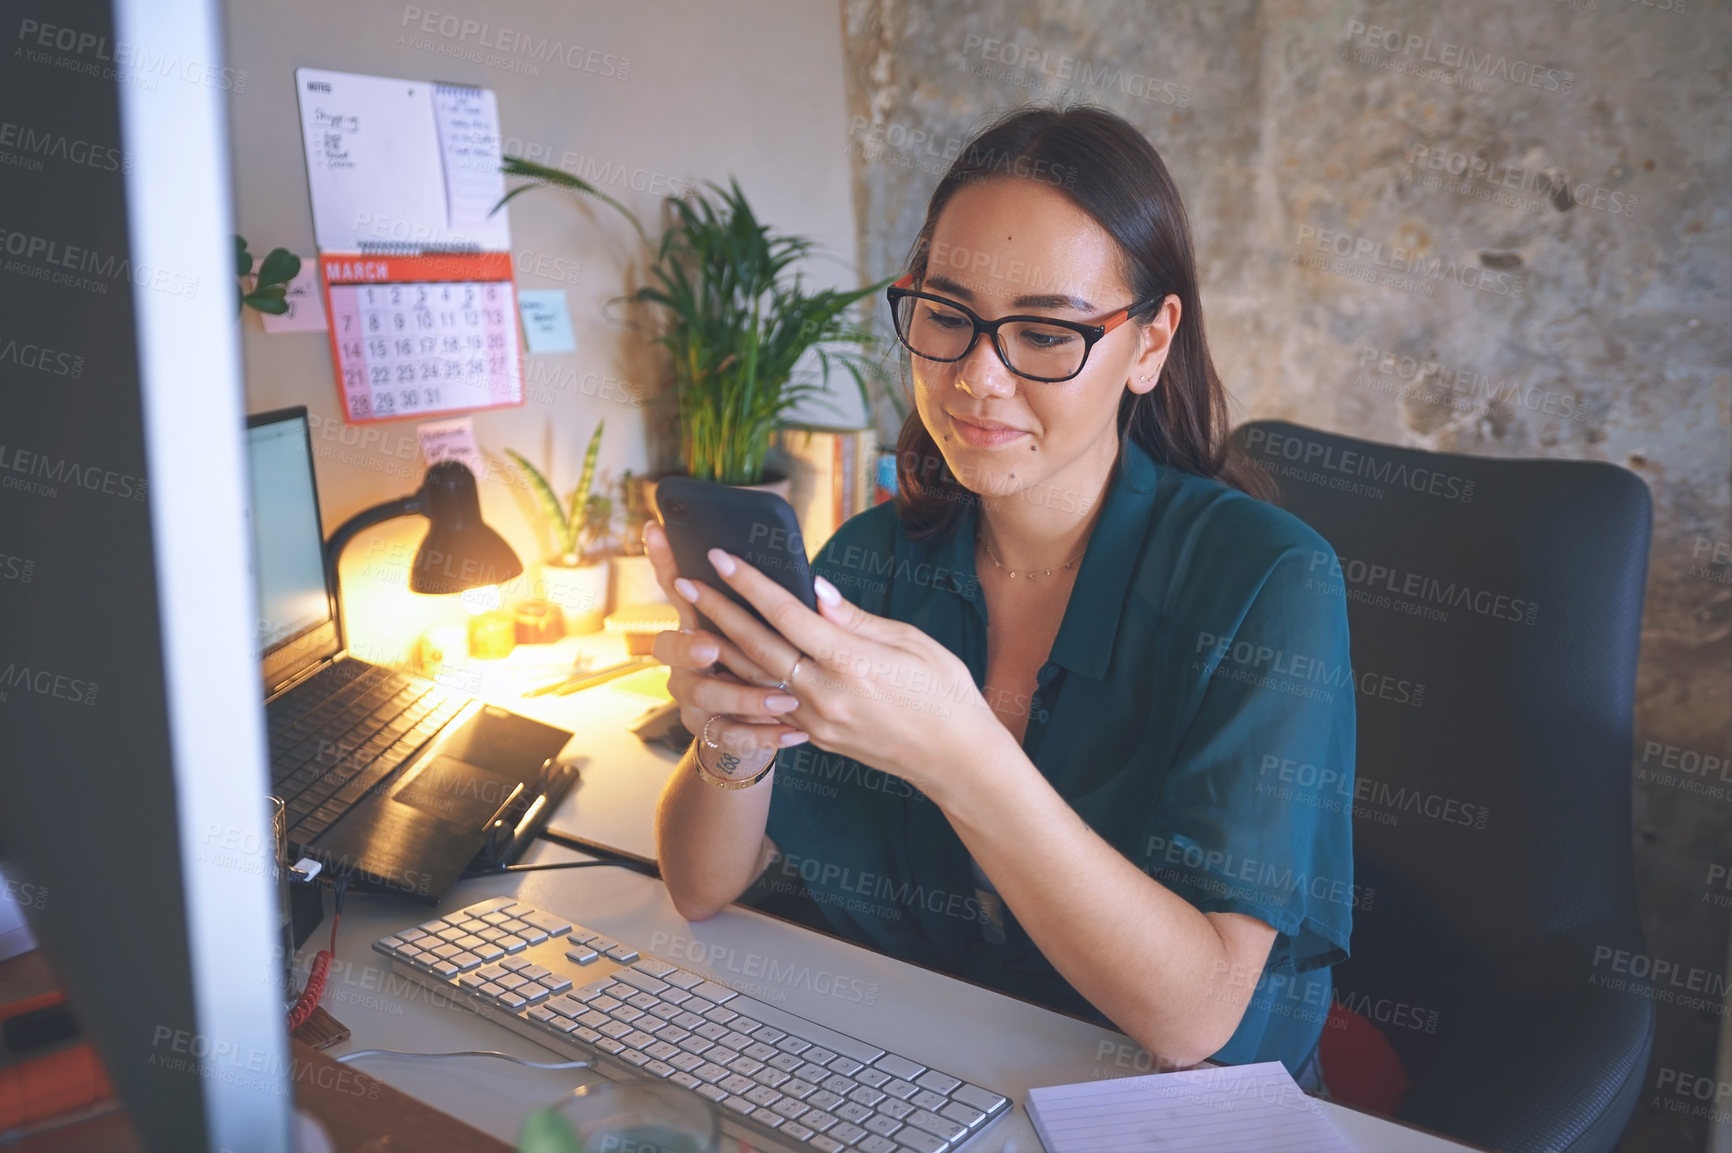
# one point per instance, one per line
(758, 527)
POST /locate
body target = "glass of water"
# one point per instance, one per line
(640, 1117)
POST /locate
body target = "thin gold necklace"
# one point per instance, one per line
(1071, 563)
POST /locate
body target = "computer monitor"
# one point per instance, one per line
(132, 751)
(297, 622)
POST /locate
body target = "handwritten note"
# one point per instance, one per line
(468, 120)
(451, 440)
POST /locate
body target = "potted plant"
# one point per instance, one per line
(735, 322)
(575, 575)
(634, 577)
(268, 288)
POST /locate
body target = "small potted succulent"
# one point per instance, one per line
(634, 577)
(266, 289)
(575, 574)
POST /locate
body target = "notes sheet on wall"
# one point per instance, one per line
(417, 274)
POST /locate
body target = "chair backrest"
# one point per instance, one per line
(1495, 608)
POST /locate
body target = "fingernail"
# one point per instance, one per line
(723, 562)
(826, 591)
(705, 653)
(787, 739)
(686, 589)
(780, 703)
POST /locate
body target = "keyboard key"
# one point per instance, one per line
(927, 1099)
(686, 1080)
(768, 1035)
(900, 1089)
(882, 1125)
(787, 1061)
(605, 1003)
(722, 1055)
(819, 1121)
(548, 923)
(938, 1126)
(512, 944)
(642, 1001)
(789, 1108)
(486, 950)
(686, 1061)
(715, 992)
(472, 980)
(638, 1039)
(494, 917)
(800, 1027)
(640, 1059)
(892, 1108)
(865, 1096)
(719, 1015)
(642, 980)
(616, 1029)
(512, 1001)
(521, 965)
(555, 982)
(919, 1141)
(711, 1030)
(734, 1083)
(468, 941)
(661, 1050)
(734, 1040)
(713, 1093)
(542, 1013)
(843, 1134)
(824, 1099)
(849, 1111)
(799, 1089)
(688, 1020)
(757, 1050)
(682, 978)
(491, 933)
(659, 1068)
(445, 970)
(845, 1065)
(622, 953)
(824, 1143)
(770, 1077)
(813, 1073)
(819, 1056)
(652, 966)
(625, 1012)
(507, 980)
(898, 1066)
(837, 1083)
(740, 1105)
(745, 1066)
(983, 1099)
(763, 1095)
(709, 1071)
(876, 1144)
(937, 1082)
(529, 933)
(608, 1045)
(962, 1114)
(532, 992)
(872, 1077)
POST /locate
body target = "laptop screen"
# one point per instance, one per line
(295, 626)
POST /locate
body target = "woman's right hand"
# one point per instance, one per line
(749, 729)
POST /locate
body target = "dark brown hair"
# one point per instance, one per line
(1112, 172)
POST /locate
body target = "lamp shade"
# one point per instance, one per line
(460, 552)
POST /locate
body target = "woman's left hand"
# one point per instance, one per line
(871, 688)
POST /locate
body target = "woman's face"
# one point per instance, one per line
(1013, 246)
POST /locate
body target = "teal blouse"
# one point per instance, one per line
(1196, 710)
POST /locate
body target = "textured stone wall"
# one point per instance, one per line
(1580, 190)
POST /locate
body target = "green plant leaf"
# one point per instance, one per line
(549, 500)
(243, 258)
(279, 267)
(269, 300)
(540, 175)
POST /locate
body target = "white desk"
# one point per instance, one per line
(997, 1041)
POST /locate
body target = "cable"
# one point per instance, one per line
(347, 1057)
(505, 870)
(321, 968)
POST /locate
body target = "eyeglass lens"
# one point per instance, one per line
(937, 332)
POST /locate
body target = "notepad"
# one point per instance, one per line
(1206, 1110)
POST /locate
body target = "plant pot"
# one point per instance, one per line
(579, 590)
(634, 581)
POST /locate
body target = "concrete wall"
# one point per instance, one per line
(1288, 121)
(639, 98)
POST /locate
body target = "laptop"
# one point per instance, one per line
(391, 778)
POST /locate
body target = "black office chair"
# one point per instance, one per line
(1485, 954)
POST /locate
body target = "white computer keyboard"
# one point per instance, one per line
(776, 1076)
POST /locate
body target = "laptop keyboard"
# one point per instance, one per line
(774, 1073)
(343, 731)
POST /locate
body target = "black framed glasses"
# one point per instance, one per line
(1040, 348)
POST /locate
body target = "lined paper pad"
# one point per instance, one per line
(1206, 1110)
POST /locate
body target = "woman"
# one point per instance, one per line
(1067, 730)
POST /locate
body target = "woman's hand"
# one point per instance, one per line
(871, 688)
(752, 725)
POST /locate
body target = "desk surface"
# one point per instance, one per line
(994, 1040)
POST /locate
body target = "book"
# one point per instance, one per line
(831, 473)
(1202, 1110)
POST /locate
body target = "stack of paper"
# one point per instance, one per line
(1203, 1110)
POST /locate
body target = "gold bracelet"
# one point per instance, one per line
(710, 778)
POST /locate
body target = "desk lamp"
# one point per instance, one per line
(459, 552)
